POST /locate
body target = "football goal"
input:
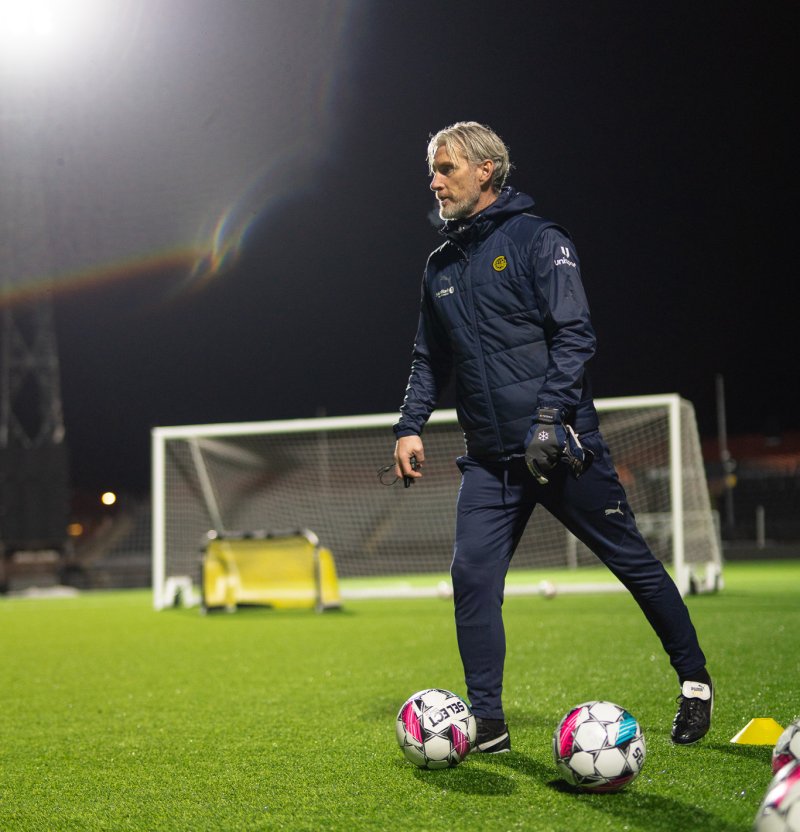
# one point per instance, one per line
(272, 478)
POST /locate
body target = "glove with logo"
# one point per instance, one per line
(552, 441)
(548, 438)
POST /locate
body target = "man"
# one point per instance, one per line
(503, 309)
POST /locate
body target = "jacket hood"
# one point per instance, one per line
(508, 203)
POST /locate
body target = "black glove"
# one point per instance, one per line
(546, 442)
(550, 441)
(575, 455)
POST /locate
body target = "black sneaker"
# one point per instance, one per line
(696, 702)
(493, 737)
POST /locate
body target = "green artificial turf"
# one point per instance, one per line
(116, 717)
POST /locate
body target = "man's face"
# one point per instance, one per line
(457, 185)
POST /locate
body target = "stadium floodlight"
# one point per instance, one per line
(27, 31)
(36, 35)
(28, 23)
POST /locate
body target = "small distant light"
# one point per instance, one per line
(108, 498)
(75, 529)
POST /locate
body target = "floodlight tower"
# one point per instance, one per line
(33, 455)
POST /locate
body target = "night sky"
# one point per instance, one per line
(657, 134)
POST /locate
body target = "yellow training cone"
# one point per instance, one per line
(760, 731)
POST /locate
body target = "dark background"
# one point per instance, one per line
(657, 134)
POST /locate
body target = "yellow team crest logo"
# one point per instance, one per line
(499, 263)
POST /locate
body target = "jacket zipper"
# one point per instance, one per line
(481, 359)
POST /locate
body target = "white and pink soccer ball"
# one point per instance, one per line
(780, 809)
(435, 729)
(599, 746)
(787, 748)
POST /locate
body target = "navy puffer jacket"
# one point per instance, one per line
(503, 307)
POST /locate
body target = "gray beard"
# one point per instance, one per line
(461, 209)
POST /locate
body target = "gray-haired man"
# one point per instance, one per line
(514, 328)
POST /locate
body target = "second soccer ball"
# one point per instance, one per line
(599, 746)
(780, 809)
(787, 748)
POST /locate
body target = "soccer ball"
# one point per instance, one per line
(547, 589)
(787, 748)
(780, 809)
(436, 729)
(599, 746)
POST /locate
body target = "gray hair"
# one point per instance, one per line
(476, 142)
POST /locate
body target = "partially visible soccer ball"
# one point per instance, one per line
(780, 809)
(547, 589)
(436, 729)
(599, 746)
(787, 748)
(444, 589)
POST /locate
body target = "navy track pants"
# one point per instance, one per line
(495, 502)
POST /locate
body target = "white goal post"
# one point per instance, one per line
(321, 474)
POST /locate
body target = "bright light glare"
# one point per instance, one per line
(27, 33)
(29, 23)
(108, 498)
(37, 34)
(26, 22)
(56, 40)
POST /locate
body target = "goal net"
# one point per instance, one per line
(321, 474)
